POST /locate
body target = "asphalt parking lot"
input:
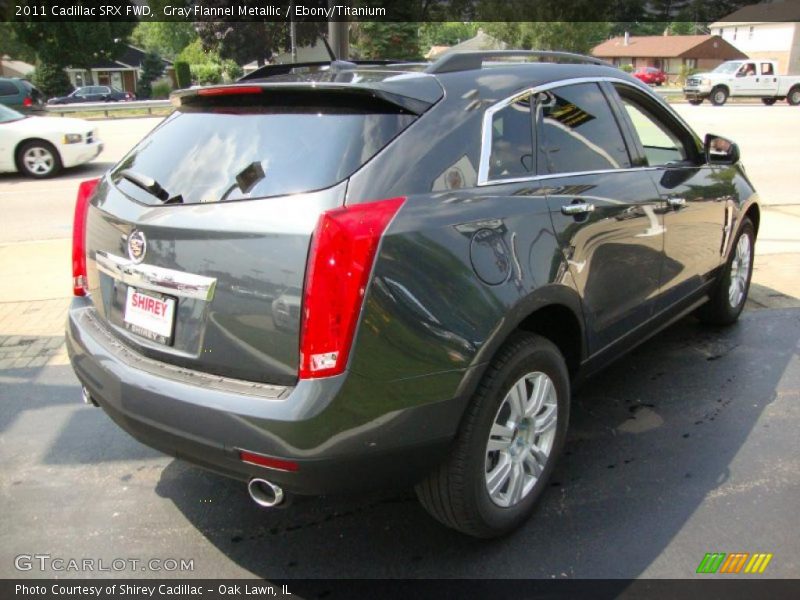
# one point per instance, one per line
(688, 445)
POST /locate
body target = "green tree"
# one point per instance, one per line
(52, 80)
(152, 69)
(74, 44)
(376, 40)
(195, 54)
(12, 46)
(577, 36)
(167, 38)
(447, 33)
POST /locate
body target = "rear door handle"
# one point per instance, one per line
(580, 208)
(676, 202)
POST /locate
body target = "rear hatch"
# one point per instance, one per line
(197, 241)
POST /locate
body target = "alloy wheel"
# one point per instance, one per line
(38, 160)
(521, 439)
(740, 271)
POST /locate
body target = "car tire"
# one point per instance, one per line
(719, 96)
(769, 101)
(39, 159)
(696, 101)
(457, 493)
(793, 97)
(730, 293)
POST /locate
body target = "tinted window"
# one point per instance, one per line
(234, 153)
(579, 132)
(512, 141)
(661, 140)
(8, 89)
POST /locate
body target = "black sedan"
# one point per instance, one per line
(94, 93)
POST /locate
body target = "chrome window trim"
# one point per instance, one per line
(156, 279)
(486, 131)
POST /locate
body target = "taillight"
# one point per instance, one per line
(342, 252)
(27, 101)
(80, 284)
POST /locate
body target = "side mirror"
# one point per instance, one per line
(720, 150)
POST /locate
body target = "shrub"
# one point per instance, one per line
(627, 68)
(206, 73)
(161, 89)
(183, 74)
(231, 70)
(51, 79)
(152, 68)
(684, 73)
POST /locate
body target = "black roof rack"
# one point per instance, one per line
(467, 61)
(334, 65)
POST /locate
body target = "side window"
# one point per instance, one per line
(512, 141)
(7, 89)
(662, 145)
(766, 68)
(579, 131)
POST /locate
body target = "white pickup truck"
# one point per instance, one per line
(743, 79)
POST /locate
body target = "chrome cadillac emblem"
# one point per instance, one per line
(137, 246)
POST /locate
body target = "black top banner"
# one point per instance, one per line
(398, 10)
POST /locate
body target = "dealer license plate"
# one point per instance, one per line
(150, 315)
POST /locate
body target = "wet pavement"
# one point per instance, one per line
(688, 445)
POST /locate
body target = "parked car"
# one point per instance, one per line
(470, 240)
(94, 93)
(20, 94)
(743, 79)
(42, 146)
(650, 75)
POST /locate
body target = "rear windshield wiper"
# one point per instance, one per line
(148, 184)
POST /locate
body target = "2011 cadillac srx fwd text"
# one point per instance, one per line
(333, 277)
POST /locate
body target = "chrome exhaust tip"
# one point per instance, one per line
(87, 397)
(265, 493)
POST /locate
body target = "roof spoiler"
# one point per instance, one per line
(468, 61)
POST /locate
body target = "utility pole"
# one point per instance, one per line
(337, 37)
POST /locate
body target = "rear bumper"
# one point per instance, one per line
(346, 433)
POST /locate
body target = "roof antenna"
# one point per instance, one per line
(328, 48)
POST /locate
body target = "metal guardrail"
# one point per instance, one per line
(106, 107)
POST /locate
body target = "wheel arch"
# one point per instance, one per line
(724, 86)
(754, 214)
(554, 312)
(21, 143)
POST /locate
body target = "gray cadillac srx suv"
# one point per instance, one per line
(331, 277)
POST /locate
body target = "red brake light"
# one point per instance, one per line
(229, 91)
(27, 101)
(80, 285)
(342, 252)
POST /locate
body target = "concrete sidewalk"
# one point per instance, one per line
(34, 302)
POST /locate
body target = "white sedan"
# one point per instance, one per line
(42, 146)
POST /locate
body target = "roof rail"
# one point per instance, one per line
(467, 61)
(334, 65)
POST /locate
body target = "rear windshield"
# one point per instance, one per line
(218, 154)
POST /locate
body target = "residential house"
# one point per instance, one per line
(769, 31)
(668, 52)
(122, 73)
(14, 68)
